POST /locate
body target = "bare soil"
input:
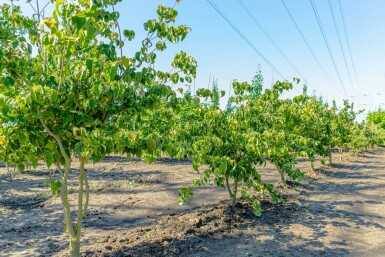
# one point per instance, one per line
(133, 212)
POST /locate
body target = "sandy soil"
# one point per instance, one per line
(133, 212)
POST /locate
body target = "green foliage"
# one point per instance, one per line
(228, 145)
(257, 83)
(55, 186)
(304, 89)
(78, 94)
(377, 117)
(215, 95)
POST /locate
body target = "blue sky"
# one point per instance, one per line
(222, 54)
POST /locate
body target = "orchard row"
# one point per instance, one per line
(67, 89)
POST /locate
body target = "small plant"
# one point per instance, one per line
(117, 184)
(3, 209)
(95, 184)
(129, 183)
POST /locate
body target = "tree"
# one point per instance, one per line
(343, 125)
(304, 89)
(215, 97)
(257, 83)
(377, 117)
(226, 148)
(311, 126)
(78, 94)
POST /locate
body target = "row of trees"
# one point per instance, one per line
(262, 126)
(67, 89)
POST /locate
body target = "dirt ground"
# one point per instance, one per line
(133, 212)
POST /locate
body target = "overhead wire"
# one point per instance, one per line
(306, 42)
(348, 41)
(327, 44)
(270, 39)
(219, 11)
(340, 41)
(245, 38)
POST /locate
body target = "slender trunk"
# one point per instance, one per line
(81, 210)
(87, 194)
(232, 195)
(233, 200)
(282, 174)
(235, 190)
(73, 229)
(330, 159)
(341, 153)
(312, 165)
(74, 247)
(9, 171)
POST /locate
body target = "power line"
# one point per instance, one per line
(326, 42)
(245, 38)
(269, 37)
(306, 42)
(340, 41)
(347, 40)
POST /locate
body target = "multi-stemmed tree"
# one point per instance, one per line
(66, 88)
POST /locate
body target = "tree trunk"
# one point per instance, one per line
(234, 198)
(73, 229)
(341, 153)
(331, 159)
(75, 247)
(312, 165)
(67, 211)
(9, 171)
(282, 174)
(232, 195)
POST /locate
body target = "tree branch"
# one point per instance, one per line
(57, 138)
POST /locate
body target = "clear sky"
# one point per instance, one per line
(222, 54)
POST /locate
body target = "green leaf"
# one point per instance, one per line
(257, 209)
(34, 162)
(127, 62)
(129, 34)
(8, 81)
(55, 185)
(195, 165)
(48, 158)
(89, 63)
(186, 194)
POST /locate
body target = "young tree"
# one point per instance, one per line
(78, 94)
(377, 117)
(257, 83)
(229, 148)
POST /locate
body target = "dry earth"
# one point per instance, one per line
(133, 212)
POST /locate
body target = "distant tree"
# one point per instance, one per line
(334, 104)
(377, 117)
(257, 83)
(215, 94)
(304, 90)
